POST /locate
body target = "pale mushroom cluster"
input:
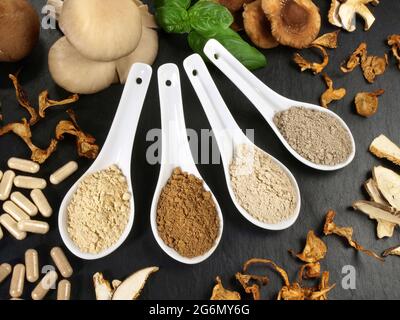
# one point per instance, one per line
(102, 39)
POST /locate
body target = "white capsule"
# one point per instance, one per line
(24, 203)
(41, 203)
(14, 211)
(61, 262)
(64, 290)
(5, 270)
(17, 281)
(47, 282)
(33, 226)
(26, 182)
(6, 184)
(23, 165)
(11, 226)
(32, 265)
(1, 233)
(64, 172)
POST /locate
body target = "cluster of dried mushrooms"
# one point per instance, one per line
(86, 144)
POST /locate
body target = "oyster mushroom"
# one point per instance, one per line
(73, 72)
(102, 30)
(295, 23)
(19, 29)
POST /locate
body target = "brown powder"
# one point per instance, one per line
(187, 218)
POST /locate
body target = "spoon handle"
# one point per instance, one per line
(225, 129)
(126, 119)
(175, 145)
(267, 101)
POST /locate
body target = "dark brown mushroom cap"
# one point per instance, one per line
(19, 29)
(294, 23)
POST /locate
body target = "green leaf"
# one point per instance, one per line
(208, 16)
(184, 4)
(249, 56)
(173, 19)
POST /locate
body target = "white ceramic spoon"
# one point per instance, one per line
(175, 152)
(229, 135)
(117, 149)
(267, 101)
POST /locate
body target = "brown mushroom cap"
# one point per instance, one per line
(73, 72)
(102, 30)
(295, 23)
(19, 29)
(257, 26)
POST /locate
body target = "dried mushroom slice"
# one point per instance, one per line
(378, 211)
(394, 43)
(367, 102)
(388, 183)
(313, 66)
(333, 14)
(331, 94)
(394, 251)
(383, 147)
(251, 283)
(233, 5)
(345, 232)
(355, 59)
(294, 23)
(373, 66)
(23, 130)
(220, 293)
(314, 250)
(23, 100)
(328, 40)
(45, 102)
(310, 271)
(257, 26)
(102, 287)
(349, 8)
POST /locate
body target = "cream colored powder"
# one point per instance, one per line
(99, 210)
(261, 187)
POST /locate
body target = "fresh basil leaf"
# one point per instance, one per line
(173, 19)
(206, 16)
(249, 56)
(184, 4)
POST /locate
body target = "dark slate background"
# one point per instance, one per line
(241, 240)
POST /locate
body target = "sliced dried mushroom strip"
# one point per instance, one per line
(373, 66)
(394, 43)
(394, 251)
(328, 40)
(367, 102)
(378, 211)
(23, 130)
(220, 293)
(86, 143)
(314, 250)
(45, 102)
(331, 94)
(345, 232)
(355, 58)
(323, 287)
(388, 183)
(347, 13)
(313, 66)
(333, 14)
(102, 287)
(383, 147)
(310, 271)
(251, 283)
(23, 100)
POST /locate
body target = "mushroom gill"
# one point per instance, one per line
(294, 23)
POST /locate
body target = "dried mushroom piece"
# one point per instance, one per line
(394, 251)
(102, 287)
(233, 5)
(333, 14)
(388, 183)
(328, 40)
(313, 66)
(345, 232)
(331, 94)
(367, 102)
(45, 102)
(373, 66)
(257, 26)
(86, 143)
(394, 43)
(220, 293)
(383, 147)
(251, 283)
(355, 59)
(23, 100)
(294, 23)
(23, 130)
(314, 250)
(310, 271)
(378, 211)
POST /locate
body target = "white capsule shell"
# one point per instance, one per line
(64, 172)
(11, 226)
(61, 262)
(23, 165)
(41, 203)
(32, 265)
(17, 281)
(14, 211)
(26, 182)
(6, 184)
(64, 290)
(43, 287)
(24, 203)
(33, 226)
(5, 270)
